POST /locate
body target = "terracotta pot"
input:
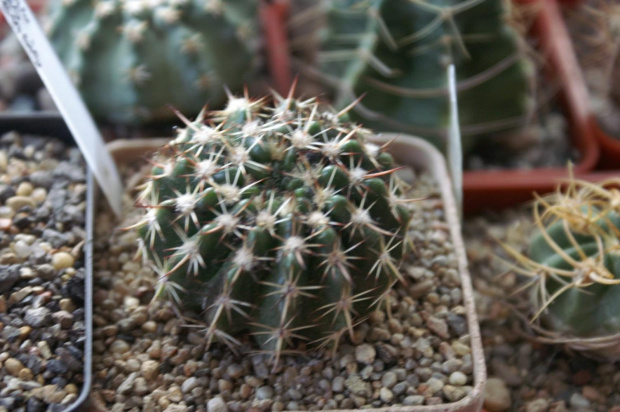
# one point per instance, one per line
(610, 148)
(500, 189)
(419, 155)
(505, 188)
(570, 3)
(609, 145)
(273, 15)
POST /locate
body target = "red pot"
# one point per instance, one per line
(500, 189)
(570, 3)
(610, 148)
(274, 15)
(609, 145)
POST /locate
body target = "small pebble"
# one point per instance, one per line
(18, 202)
(150, 369)
(264, 392)
(458, 379)
(62, 260)
(386, 395)
(39, 195)
(13, 366)
(538, 405)
(578, 401)
(216, 404)
(338, 384)
(413, 400)
(496, 396)
(24, 189)
(189, 384)
(235, 371)
(365, 354)
(119, 346)
(37, 317)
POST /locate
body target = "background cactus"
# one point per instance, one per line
(595, 30)
(573, 264)
(283, 221)
(395, 54)
(133, 58)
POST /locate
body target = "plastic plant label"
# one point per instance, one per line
(454, 146)
(68, 100)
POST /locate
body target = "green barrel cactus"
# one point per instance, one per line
(283, 221)
(573, 263)
(133, 59)
(394, 54)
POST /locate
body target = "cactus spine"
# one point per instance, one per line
(133, 58)
(395, 54)
(283, 221)
(573, 266)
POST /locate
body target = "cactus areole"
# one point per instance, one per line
(132, 59)
(280, 220)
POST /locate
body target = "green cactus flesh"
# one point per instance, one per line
(282, 221)
(133, 58)
(394, 54)
(587, 311)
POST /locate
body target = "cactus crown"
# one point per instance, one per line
(573, 263)
(396, 54)
(283, 220)
(133, 58)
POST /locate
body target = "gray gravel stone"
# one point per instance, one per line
(189, 384)
(338, 384)
(37, 317)
(216, 404)
(578, 401)
(357, 386)
(264, 392)
(413, 400)
(389, 380)
(127, 384)
(57, 239)
(42, 179)
(365, 354)
(8, 276)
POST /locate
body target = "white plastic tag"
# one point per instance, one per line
(69, 102)
(454, 146)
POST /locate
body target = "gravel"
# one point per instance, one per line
(41, 281)
(545, 144)
(397, 360)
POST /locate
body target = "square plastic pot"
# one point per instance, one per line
(500, 189)
(421, 156)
